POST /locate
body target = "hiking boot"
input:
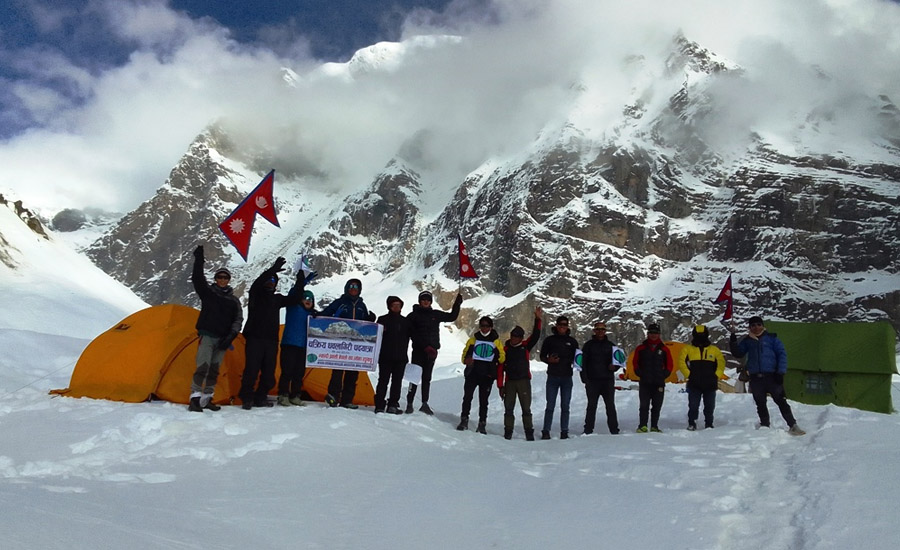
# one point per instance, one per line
(332, 402)
(212, 406)
(247, 405)
(378, 410)
(692, 427)
(529, 435)
(350, 406)
(264, 402)
(564, 435)
(655, 430)
(481, 428)
(394, 410)
(614, 432)
(296, 401)
(795, 430)
(426, 409)
(194, 405)
(588, 432)
(507, 433)
(709, 426)
(463, 423)
(642, 430)
(409, 407)
(284, 400)
(545, 434)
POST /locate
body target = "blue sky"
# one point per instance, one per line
(99, 99)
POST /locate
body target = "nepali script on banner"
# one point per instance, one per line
(348, 344)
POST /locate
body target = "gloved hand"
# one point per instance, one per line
(779, 378)
(469, 360)
(312, 275)
(225, 341)
(372, 317)
(458, 300)
(198, 253)
(431, 353)
(279, 263)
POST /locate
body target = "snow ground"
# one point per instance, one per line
(80, 473)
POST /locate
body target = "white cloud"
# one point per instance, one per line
(488, 94)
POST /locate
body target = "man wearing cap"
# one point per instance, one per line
(558, 351)
(652, 362)
(218, 325)
(293, 341)
(261, 332)
(350, 305)
(426, 341)
(766, 364)
(514, 377)
(702, 365)
(393, 357)
(598, 374)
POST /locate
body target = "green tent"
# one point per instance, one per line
(848, 364)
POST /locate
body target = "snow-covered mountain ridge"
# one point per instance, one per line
(631, 218)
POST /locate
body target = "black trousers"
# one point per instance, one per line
(260, 358)
(651, 400)
(343, 385)
(595, 389)
(419, 357)
(293, 369)
(389, 372)
(762, 384)
(484, 385)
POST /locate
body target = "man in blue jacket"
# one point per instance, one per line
(342, 387)
(766, 364)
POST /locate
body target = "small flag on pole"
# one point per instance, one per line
(238, 226)
(725, 295)
(466, 271)
(303, 265)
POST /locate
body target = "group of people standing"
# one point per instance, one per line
(488, 359)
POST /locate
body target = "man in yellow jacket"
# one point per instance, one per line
(702, 364)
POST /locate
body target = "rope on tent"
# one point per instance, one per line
(36, 380)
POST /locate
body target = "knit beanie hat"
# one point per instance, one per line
(425, 295)
(517, 331)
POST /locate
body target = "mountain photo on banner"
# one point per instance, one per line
(238, 226)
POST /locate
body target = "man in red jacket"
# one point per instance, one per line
(652, 361)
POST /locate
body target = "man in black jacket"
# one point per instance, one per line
(514, 378)
(261, 332)
(218, 325)
(426, 341)
(598, 374)
(393, 357)
(558, 351)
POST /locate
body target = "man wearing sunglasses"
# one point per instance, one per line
(218, 325)
(766, 364)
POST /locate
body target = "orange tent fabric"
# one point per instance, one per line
(152, 354)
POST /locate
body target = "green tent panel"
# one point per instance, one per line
(848, 364)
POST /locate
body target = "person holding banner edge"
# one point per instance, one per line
(393, 357)
(342, 387)
(598, 375)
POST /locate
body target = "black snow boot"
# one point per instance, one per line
(545, 434)
(529, 435)
(194, 405)
(507, 433)
(463, 423)
(481, 427)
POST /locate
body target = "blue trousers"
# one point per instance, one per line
(563, 386)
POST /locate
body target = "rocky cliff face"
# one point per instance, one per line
(642, 222)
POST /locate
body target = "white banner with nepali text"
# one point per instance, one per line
(347, 344)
